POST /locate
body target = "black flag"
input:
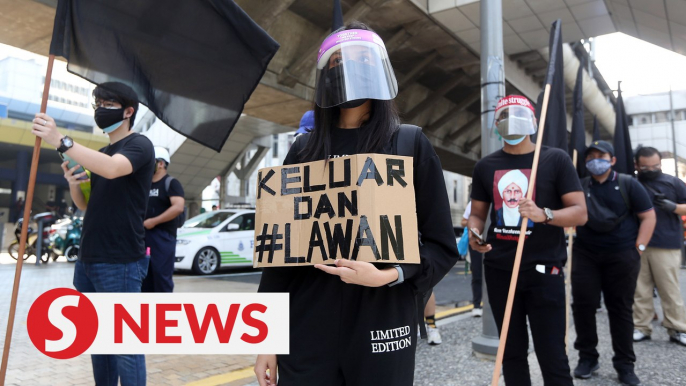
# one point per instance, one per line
(596, 129)
(193, 63)
(556, 118)
(622, 142)
(337, 15)
(578, 137)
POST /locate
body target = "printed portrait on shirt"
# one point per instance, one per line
(509, 188)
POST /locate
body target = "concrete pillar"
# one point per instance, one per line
(492, 89)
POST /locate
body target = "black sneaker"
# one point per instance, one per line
(628, 377)
(585, 368)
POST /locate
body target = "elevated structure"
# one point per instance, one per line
(434, 46)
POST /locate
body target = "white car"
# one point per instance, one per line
(214, 240)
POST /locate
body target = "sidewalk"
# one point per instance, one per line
(27, 366)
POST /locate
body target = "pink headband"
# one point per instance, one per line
(347, 36)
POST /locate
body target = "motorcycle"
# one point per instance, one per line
(65, 238)
(32, 240)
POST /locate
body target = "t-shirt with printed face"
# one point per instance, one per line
(113, 229)
(160, 201)
(503, 180)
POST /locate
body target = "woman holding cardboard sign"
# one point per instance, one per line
(354, 323)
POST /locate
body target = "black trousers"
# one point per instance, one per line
(614, 274)
(477, 273)
(348, 335)
(162, 246)
(541, 297)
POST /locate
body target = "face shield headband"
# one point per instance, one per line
(515, 117)
(353, 65)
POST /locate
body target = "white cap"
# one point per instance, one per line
(162, 153)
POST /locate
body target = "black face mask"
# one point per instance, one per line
(335, 79)
(105, 118)
(649, 175)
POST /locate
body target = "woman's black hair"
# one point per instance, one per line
(375, 132)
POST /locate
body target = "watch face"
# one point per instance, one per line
(67, 141)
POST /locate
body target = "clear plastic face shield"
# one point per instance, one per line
(353, 65)
(515, 118)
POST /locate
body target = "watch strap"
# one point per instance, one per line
(63, 148)
(548, 215)
(401, 276)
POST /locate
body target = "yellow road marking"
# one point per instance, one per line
(224, 378)
(454, 311)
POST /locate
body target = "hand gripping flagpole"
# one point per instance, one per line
(520, 245)
(25, 227)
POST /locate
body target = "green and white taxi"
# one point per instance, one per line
(214, 240)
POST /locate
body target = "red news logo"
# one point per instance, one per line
(142, 330)
(64, 323)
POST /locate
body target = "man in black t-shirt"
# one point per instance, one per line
(165, 204)
(607, 258)
(660, 262)
(112, 254)
(557, 203)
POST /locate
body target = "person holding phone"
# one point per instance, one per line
(112, 256)
(662, 257)
(558, 202)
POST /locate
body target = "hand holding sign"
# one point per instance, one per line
(360, 273)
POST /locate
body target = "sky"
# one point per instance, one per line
(643, 68)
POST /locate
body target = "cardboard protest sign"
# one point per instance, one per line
(358, 207)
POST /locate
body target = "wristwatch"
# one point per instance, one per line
(65, 144)
(641, 247)
(401, 276)
(548, 215)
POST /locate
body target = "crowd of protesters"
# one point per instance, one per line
(629, 236)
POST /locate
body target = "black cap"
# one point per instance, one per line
(602, 146)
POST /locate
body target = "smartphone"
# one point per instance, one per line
(479, 238)
(73, 163)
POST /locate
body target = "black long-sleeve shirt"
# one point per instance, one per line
(438, 249)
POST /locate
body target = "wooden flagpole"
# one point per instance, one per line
(568, 277)
(520, 245)
(25, 227)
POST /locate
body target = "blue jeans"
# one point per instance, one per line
(105, 277)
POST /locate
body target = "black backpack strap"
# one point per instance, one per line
(585, 183)
(167, 182)
(404, 141)
(623, 181)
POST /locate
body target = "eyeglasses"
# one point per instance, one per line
(647, 168)
(110, 105)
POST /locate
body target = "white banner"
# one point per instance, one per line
(63, 323)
